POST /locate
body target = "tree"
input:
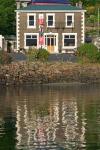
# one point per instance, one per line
(86, 2)
(7, 17)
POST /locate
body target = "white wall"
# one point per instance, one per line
(1, 41)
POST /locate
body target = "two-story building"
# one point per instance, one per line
(55, 25)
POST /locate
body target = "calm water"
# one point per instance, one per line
(50, 118)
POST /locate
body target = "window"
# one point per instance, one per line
(69, 40)
(50, 20)
(69, 20)
(31, 40)
(31, 21)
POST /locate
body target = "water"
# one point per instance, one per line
(50, 118)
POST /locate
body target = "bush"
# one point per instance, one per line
(37, 54)
(43, 54)
(98, 57)
(5, 58)
(88, 53)
(32, 54)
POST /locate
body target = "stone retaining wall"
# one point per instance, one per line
(24, 73)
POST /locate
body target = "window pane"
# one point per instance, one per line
(69, 20)
(31, 20)
(31, 42)
(50, 23)
(69, 17)
(55, 40)
(66, 36)
(28, 36)
(48, 41)
(31, 17)
(52, 41)
(34, 37)
(69, 23)
(69, 42)
(50, 18)
(72, 36)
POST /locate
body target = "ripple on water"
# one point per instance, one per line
(50, 119)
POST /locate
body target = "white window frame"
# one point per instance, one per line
(69, 14)
(25, 34)
(69, 47)
(50, 14)
(28, 15)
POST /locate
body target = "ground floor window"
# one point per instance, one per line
(31, 40)
(69, 40)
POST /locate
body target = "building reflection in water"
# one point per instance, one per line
(70, 121)
(55, 118)
(83, 129)
(52, 126)
(18, 127)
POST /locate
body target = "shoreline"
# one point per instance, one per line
(47, 73)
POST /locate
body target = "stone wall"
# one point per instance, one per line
(24, 73)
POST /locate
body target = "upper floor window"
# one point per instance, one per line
(31, 20)
(69, 20)
(51, 20)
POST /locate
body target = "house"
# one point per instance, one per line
(55, 25)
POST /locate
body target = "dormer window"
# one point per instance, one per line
(51, 20)
(69, 20)
(31, 20)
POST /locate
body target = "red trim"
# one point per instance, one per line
(47, 4)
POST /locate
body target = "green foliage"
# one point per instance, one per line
(7, 17)
(37, 54)
(88, 53)
(91, 32)
(32, 54)
(43, 54)
(5, 58)
(86, 2)
(98, 57)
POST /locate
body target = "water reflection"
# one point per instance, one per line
(45, 118)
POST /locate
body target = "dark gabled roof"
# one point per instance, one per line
(50, 8)
(51, 1)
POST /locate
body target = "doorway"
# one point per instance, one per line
(51, 42)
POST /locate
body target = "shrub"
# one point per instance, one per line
(32, 54)
(5, 58)
(98, 57)
(43, 54)
(37, 54)
(88, 53)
